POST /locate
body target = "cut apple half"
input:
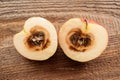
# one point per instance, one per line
(82, 40)
(38, 39)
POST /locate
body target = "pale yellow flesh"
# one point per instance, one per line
(100, 40)
(36, 55)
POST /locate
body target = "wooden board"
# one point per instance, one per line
(59, 67)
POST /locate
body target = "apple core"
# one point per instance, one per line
(79, 41)
(38, 39)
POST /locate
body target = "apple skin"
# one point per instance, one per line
(100, 39)
(45, 54)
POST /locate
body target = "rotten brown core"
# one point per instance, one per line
(79, 41)
(38, 39)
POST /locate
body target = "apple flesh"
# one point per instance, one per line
(38, 39)
(82, 40)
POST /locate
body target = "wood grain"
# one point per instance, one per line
(13, 14)
(12, 9)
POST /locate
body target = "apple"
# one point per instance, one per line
(37, 40)
(82, 40)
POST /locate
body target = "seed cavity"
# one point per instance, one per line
(79, 41)
(38, 39)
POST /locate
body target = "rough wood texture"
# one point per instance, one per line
(13, 66)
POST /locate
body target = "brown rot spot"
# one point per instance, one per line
(79, 41)
(46, 44)
(72, 48)
(38, 39)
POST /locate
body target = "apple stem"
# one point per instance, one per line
(86, 23)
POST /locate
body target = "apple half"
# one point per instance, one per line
(82, 40)
(38, 39)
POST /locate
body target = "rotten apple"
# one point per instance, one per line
(82, 40)
(37, 40)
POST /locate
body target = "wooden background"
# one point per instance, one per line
(13, 14)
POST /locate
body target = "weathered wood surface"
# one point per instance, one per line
(13, 66)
